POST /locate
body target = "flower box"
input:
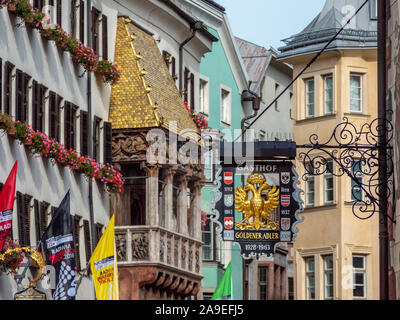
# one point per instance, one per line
(12, 8)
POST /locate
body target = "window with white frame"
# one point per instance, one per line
(373, 9)
(359, 276)
(225, 106)
(204, 104)
(328, 94)
(310, 186)
(310, 107)
(356, 92)
(208, 241)
(328, 277)
(329, 183)
(356, 191)
(263, 283)
(310, 278)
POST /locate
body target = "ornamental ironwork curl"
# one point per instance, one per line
(355, 153)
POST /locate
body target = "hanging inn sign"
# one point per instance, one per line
(257, 201)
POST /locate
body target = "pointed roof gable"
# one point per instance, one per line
(146, 95)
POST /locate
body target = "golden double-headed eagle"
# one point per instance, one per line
(257, 208)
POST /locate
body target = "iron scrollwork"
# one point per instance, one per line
(355, 153)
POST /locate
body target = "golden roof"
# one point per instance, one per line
(146, 95)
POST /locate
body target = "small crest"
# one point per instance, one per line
(285, 224)
(286, 236)
(228, 177)
(285, 200)
(229, 235)
(228, 223)
(228, 200)
(285, 177)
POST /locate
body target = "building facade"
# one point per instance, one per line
(42, 86)
(336, 255)
(222, 81)
(159, 45)
(393, 77)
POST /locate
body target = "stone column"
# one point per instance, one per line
(196, 209)
(168, 178)
(182, 205)
(271, 280)
(284, 284)
(152, 172)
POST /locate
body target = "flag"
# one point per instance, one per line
(103, 264)
(7, 195)
(224, 288)
(58, 247)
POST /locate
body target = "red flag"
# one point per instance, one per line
(7, 195)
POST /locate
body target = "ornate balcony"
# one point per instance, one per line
(158, 258)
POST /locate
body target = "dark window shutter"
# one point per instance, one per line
(52, 114)
(84, 133)
(59, 100)
(82, 21)
(20, 216)
(27, 220)
(173, 67)
(67, 124)
(35, 105)
(192, 91)
(96, 138)
(99, 231)
(41, 114)
(186, 85)
(107, 142)
(36, 208)
(73, 17)
(43, 216)
(86, 231)
(1, 82)
(19, 95)
(53, 211)
(25, 106)
(105, 37)
(74, 110)
(8, 68)
(23, 218)
(59, 13)
(75, 232)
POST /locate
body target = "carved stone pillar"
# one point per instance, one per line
(182, 204)
(168, 178)
(196, 207)
(152, 172)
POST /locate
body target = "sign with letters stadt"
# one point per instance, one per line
(257, 205)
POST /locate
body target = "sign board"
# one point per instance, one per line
(257, 205)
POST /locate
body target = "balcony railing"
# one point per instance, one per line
(157, 246)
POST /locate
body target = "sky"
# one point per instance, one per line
(267, 22)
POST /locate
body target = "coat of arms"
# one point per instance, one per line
(260, 207)
(285, 177)
(228, 200)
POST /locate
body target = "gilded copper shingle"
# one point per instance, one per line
(146, 95)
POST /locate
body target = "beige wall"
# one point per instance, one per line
(333, 229)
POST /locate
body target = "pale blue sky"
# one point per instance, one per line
(267, 22)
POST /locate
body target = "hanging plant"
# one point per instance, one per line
(199, 120)
(11, 257)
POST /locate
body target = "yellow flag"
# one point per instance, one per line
(103, 264)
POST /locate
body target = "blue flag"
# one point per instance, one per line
(58, 247)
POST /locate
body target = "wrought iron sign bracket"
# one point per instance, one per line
(356, 153)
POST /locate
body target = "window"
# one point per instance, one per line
(186, 86)
(76, 235)
(38, 4)
(59, 13)
(328, 94)
(373, 9)
(355, 92)
(329, 183)
(55, 115)
(38, 104)
(310, 186)
(99, 231)
(310, 111)
(22, 95)
(208, 166)
(86, 233)
(107, 145)
(204, 106)
(225, 107)
(82, 21)
(276, 95)
(104, 37)
(70, 125)
(84, 133)
(328, 277)
(23, 214)
(290, 289)
(208, 241)
(262, 135)
(359, 276)
(356, 191)
(262, 283)
(310, 278)
(40, 209)
(95, 30)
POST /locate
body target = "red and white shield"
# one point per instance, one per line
(285, 224)
(228, 177)
(285, 200)
(229, 223)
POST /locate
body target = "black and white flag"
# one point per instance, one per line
(58, 247)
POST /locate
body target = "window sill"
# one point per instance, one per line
(226, 124)
(318, 118)
(319, 207)
(357, 114)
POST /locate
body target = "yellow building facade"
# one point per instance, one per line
(336, 254)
